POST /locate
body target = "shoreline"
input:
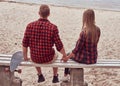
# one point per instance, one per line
(70, 7)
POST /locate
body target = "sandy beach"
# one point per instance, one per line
(15, 16)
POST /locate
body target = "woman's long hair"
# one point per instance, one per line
(89, 26)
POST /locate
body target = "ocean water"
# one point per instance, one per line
(96, 4)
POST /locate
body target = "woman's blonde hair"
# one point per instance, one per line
(89, 26)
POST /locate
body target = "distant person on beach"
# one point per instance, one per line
(40, 36)
(85, 50)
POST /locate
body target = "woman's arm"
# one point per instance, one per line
(79, 44)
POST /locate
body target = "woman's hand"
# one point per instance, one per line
(65, 59)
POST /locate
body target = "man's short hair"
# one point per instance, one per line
(44, 11)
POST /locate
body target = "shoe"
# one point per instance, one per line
(55, 79)
(66, 78)
(41, 78)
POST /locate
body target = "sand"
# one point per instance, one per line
(15, 16)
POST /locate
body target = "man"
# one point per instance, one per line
(40, 36)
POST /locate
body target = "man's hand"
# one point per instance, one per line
(62, 51)
(25, 50)
(65, 59)
(26, 59)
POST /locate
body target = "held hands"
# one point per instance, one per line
(65, 58)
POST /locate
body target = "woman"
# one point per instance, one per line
(85, 50)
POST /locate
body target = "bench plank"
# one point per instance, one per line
(75, 79)
(69, 64)
(4, 55)
(59, 60)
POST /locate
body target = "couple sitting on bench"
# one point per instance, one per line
(41, 35)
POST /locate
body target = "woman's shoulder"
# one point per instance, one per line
(82, 34)
(97, 28)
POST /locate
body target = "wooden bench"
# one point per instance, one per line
(77, 71)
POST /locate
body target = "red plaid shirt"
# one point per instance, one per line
(41, 36)
(85, 51)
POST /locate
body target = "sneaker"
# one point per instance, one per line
(55, 79)
(41, 78)
(66, 78)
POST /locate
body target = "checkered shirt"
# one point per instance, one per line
(41, 36)
(85, 51)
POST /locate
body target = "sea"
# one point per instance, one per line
(113, 5)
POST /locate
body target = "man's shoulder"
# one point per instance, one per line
(52, 24)
(33, 23)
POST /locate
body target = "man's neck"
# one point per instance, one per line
(43, 18)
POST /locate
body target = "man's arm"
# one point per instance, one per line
(25, 42)
(58, 43)
(25, 50)
(62, 51)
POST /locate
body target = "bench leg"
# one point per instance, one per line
(8, 78)
(76, 78)
(16, 81)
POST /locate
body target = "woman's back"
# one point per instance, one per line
(86, 50)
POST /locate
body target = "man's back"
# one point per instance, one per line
(42, 36)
